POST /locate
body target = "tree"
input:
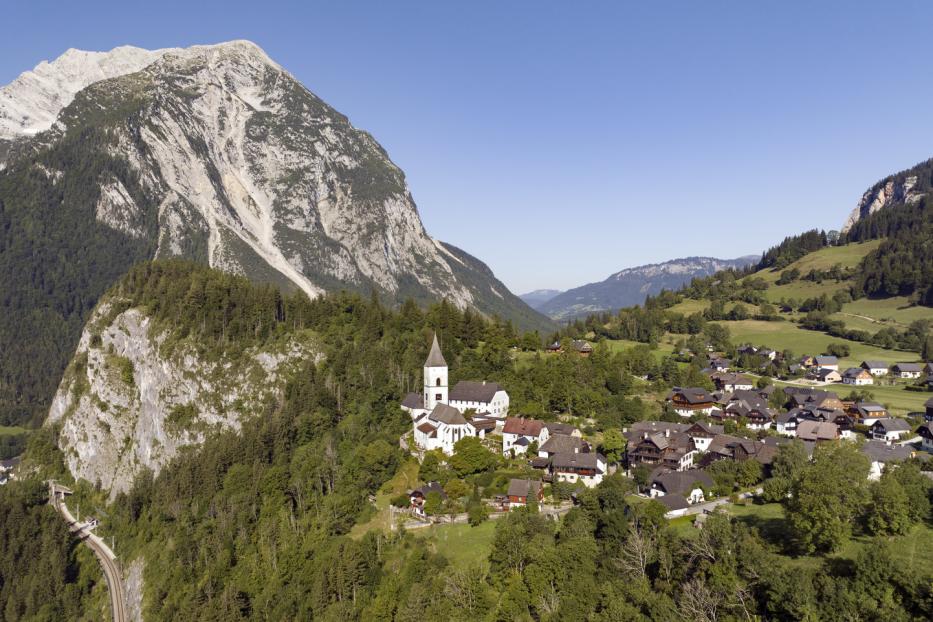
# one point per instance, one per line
(827, 497)
(790, 460)
(470, 456)
(888, 513)
(433, 503)
(613, 445)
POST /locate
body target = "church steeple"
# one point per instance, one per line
(435, 358)
(435, 377)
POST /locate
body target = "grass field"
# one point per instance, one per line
(6, 430)
(915, 548)
(787, 335)
(463, 545)
(847, 256)
(893, 311)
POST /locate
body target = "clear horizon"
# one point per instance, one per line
(560, 148)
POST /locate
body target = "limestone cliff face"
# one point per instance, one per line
(225, 158)
(125, 405)
(889, 192)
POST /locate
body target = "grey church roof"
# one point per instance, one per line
(435, 358)
(469, 391)
(443, 413)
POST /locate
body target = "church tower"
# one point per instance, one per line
(435, 377)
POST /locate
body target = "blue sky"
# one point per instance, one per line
(560, 142)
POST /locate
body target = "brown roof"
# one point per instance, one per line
(468, 391)
(523, 488)
(522, 426)
(817, 431)
(563, 443)
(483, 424)
(428, 429)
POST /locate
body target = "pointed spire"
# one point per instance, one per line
(435, 358)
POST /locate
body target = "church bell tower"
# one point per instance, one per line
(435, 377)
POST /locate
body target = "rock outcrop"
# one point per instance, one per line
(125, 404)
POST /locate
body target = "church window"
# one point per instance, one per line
(438, 382)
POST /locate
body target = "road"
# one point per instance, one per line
(108, 560)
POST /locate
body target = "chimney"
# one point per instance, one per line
(667, 432)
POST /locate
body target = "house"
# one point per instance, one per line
(807, 361)
(702, 434)
(719, 364)
(554, 348)
(483, 397)
(721, 448)
(691, 401)
(786, 423)
(907, 370)
(754, 450)
(875, 368)
(518, 433)
(688, 484)
(869, 412)
(889, 429)
(817, 431)
(881, 454)
(521, 490)
(562, 428)
(928, 414)
(441, 429)
(675, 505)
(751, 407)
(826, 361)
(857, 376)
(731, 382)
(581, 347)
(419, 496)
(672, 451)
(826, 375)
(925, 432)
(812, 399)
(928, 368)
(562, 444)
(588, 468)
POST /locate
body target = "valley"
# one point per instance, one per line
(233, 357)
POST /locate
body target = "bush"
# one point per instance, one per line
(400, 501)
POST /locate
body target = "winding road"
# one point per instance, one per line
(108, 560)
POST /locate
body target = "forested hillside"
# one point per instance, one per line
(43, 573)
(260, 524)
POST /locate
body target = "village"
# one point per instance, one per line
(709, 446)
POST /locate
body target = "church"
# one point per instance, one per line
(438, 414)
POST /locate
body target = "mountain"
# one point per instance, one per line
(632, 285)
(213, 153)
(904, 188)
(538, 297)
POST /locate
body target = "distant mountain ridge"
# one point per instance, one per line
(537, 298)
(631, 286)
